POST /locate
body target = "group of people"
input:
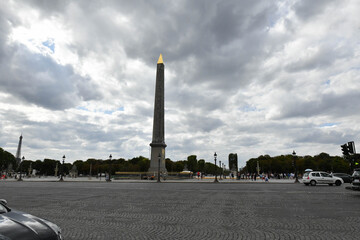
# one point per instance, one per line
(266, 177)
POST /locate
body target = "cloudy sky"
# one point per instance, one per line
(246, 77)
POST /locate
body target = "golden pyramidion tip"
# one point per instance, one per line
(160, 59)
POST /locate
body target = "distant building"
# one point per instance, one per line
(233, 163)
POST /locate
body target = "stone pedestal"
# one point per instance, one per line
(157, 149)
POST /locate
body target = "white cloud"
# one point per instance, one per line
(78, 78)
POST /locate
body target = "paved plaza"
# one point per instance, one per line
(190, 210)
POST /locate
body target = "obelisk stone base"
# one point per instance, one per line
(157, 149)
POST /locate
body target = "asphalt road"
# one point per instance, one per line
(100, 210)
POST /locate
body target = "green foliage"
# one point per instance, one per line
(201, 165)
(192, 163)
(6, 158)
(277, 164)
(48, 167)
(179, 166)
(210, 168)
(285, 164)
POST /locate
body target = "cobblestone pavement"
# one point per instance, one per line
(150, 210)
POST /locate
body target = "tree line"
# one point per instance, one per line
(287, 163)
(267, 164)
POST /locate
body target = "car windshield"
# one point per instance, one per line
(356, 174)
(325, 174)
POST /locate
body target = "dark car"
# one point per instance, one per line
(356, 179)
(16, 225)
(346, 177)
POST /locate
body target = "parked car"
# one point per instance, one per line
(344, 176)
(23, 226)
(356, 179)
(317, 177)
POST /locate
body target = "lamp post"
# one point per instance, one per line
(109, 178)
(23, 158)
(221, 172)
(62, 169)
(90, 171)
(216, 180)
(296, 173)
(158, 175)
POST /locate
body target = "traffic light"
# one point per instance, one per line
(345, 149)
(351, 147)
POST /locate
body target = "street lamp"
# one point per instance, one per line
(221, 172)
(109, 174)
(158, 176)
(296, 173)
(62, 169)
(23, 158)
(216, 180)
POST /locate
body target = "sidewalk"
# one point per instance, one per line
(194, 180)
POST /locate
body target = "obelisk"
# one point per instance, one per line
(18, 152)
(158, 138)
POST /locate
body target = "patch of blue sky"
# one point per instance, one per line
(49, 44)
(327, 82)
(82, 108)
(109, 112)
(248, 109)
(328, 125)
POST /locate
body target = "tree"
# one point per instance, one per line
(169, 165)
(179, 166)
(6, 158)
(210, 168)
(284, 163)
(201, 165)
(48, 167)
(192, 163)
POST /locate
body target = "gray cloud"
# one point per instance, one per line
(240, 76)
(309, 9)
(322, 58)
(38, 79)
(330, 104)
(225, 37)
(325, 137)
(202, 123)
